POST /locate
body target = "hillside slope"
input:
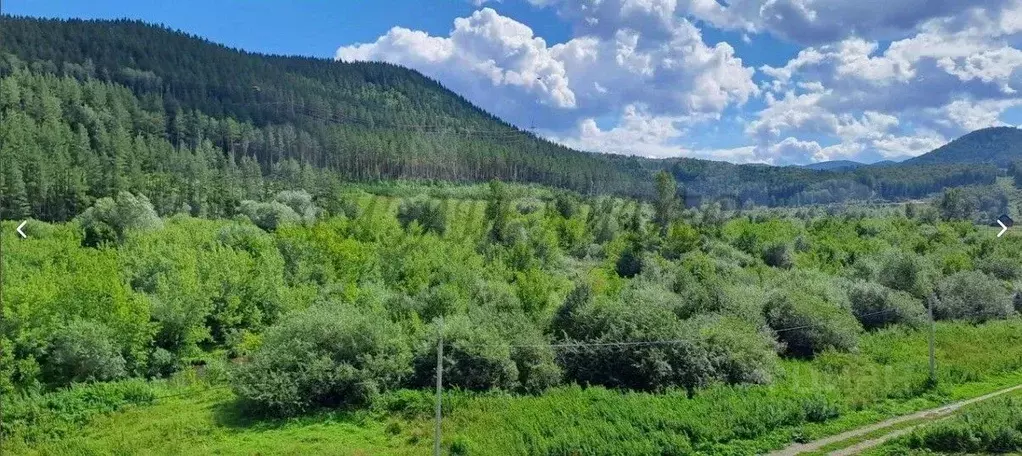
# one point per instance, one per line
(363, 120)
(995, 145)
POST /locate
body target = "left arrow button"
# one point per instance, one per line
(22, 233)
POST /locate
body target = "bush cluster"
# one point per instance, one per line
(333, 311)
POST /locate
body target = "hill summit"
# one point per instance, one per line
(994, 145)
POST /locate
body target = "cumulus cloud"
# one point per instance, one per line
(502, 65)
(816, 22)
(641, 133)
(876, 79)
(953, 76)
(485, 51)
(808, 22)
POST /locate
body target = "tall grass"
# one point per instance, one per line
(990, 427)
(888, 376)
(808, 399)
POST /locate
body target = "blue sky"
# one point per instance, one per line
(773, 81)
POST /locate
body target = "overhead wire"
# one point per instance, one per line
(584, 345)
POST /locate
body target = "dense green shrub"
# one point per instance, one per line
(973, 296)
(269, 216)
(110, 219)
(534, 357)
(245, 237)
(300, 202)
(346, 204)
(429, 214)
(639, 342)
(778, 256)
(810, 316)
(620, 352)
(80, 352)
(629, 264)
(738, 351)
(906, 272)
(566, 204)
(681, 238)
(475, 357)
(324, 356)
(876, 306)
(606, 229)
(1001, 267)
(695, 296)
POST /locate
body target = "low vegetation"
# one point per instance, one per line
(992, 427)
(784, 324)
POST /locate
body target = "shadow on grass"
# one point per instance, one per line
(237, 414)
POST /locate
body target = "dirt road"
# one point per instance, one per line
(927, 415)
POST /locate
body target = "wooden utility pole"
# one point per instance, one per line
(439, 387)
(933, 358)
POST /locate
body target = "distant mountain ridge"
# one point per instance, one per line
(834, 165)
(995, 145)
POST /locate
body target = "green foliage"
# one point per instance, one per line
(300, 202)
(82, 352)
(567, 205)
(475, 357)
(810, 316)
(430, 215)
(778, 256)
(330, 312)
(630, 262)
(954, 205)
(877, 306)
(905, 272)
(973, 296)
(666, 203)
(681, 238)
(269, 216)
(110, 219)
(324, 356)
(36, 418)
(991, 427)
(623, 350)
(498, 212)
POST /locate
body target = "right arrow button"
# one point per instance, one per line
(1005, 222)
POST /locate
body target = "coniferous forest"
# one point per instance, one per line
(234, 253)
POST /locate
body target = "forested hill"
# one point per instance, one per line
(92, 108)
(998, 145)
(363, 120)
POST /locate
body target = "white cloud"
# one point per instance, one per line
(637, 133)
(484, 51)
(952, 76)
(640, 133)
(804, 21)
(966, 115)
(818, 22)
(881, 78)
(792, 151)
(500, 64)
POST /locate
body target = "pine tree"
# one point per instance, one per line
(666, 204)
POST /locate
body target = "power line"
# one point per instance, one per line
(660, 341)
(576, 345)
